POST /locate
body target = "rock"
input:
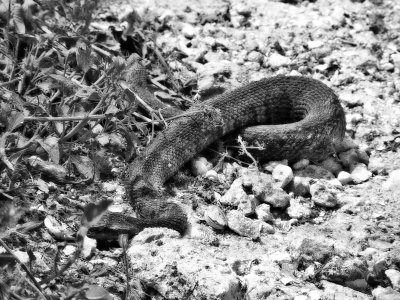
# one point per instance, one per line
(315, 44)
(312, 251)
(277, 61)
(360, 173)
(283, 175)
(215, 217)
(262, 186)
(270, 166)
(363, 157)
(393, 182)
(188, 30)
(208, 74)
(200, 166)
(255, 56)
(301, 164)
(341, 270)
(235, 195)
(332, 164)
(248, 205)
(172, 266)
(300, 186)
(344, 177)
(263, 212)
(299, 209)
(394, 277)
(349, 158)
(243, 225)
(316, 172)
(212, 175)
(388, 293)
(337, 291)
(266, 228)
(377, 166)
(324, 194)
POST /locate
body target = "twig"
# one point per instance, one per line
(132, 94)
(25, 268)
(9, 82)
(62, 119)
(244, 150)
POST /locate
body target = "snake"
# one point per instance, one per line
(285, 117)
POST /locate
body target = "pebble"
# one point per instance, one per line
(394, 277)
(323, 194)
(270, 166)
(215, 217)
(388, 293)
(360, 173)
(212, 175)
(283, 175)
(255, 56)
(263, 212)
(299, 209)
(235, 194)
(200, 166)
(277, 61)
(344, 177)
(248, 205)
(188, 30)
(349, 158)
(301, 164)
(332, 164)
(242, 225)
(393, 182)
(300, 186)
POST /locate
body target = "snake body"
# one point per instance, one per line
(290, 117)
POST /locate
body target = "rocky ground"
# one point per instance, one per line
(304, 231)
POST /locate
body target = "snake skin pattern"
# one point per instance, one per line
(301, 118)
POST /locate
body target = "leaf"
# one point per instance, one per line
(18, 18)
(42, 185)
(96, 292)
(51, 146)
(16, 119)
(84, 165)
(83, 56)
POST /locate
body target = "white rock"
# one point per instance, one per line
(276, 60)
(189, 31)
(394, 277)
(243, 225)
(393, 182)
(315, 44)
(270, 166)
(212, 175)
(344, 177)
(263, 212)
(298, 210)
(200, 166)
(360, 173)
(282, 174)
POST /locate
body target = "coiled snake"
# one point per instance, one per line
(296, 117)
